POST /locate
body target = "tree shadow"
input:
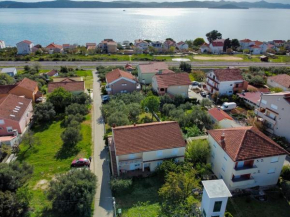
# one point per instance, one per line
(22, 155)
(66, 151)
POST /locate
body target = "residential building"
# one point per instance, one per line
(61, 79)
(11, 141)
(169, 45)
(282, 81)
(214, 198)
(9, 71)
(246, 43)
(217, 46)
(119, 81)
(222, 119)
(141, 45)
(255, 50)
(108, 46)
(75, 87)
(15, 114)
(147, 70)
(2, 44)
(68, 47)
(173, 84)
(54, 48)
(24, 47)
(143, 147)
(26, 88)
(52, 73)
(37, 48)
(205, 48)
(91, 45)
(251, 98)
(279, 43)
(244, 157)
(182, 46)
(226, 81)
(273, 111)
(157, 45)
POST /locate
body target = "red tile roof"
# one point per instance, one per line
(4, 89)
(27, 42)
(258, 43)
(91, 44)
(28, 84)
(176, 79)
(217, 44)
(228, 74)
(147, 137)
(283, 80)
(52, 72)
(254, 97)
(70, 86)
(246, 40)
(246, 143)
(118, 73)
(255, 46)
(278, 41)
(13, 107)
(152, 67)
(251, 88)
(219, 114)
(53, 45)
(205, 44)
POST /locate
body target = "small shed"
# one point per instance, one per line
(264, 58)
(214, 198)
(9, 71)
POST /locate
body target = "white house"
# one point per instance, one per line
(222, 119)
(217, 46)
(282, 81)
(278, 43)
(244, 157)
(2, 44)
(182, 46)
(246, 43)
(24, 47)
(226, 81)
(205, 48)
(214, 198)
(141, 44)
(9, 71)
(169, 44)
(157, 45)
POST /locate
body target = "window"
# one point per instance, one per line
(2, 122)
(272, 170)
(9, 129)
(230, 91)
(274, 106)
(226, 157)
(274, 159)
(264, 101)
(159, 163)
(231, 84)
(224, 167)
(212, 154)
(217, 206)
(159, 153)
(175, 151)
(124, 84)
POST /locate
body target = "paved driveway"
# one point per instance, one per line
(100, 165)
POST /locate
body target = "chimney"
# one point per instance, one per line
(114, 125)
(223, 136)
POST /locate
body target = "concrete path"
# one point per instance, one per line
(100, 161)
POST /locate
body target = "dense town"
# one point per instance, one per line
(157, 137)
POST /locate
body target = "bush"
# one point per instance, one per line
(75, 108)
(121, 186)
(228, 214)
(71, 136)
(286, 189)
(285, 173)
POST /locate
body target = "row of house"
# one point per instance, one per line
(168, 45)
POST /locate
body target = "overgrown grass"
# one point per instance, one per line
(276, 205)
(49, 159)
(88, 78)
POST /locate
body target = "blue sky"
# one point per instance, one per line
(272, 1)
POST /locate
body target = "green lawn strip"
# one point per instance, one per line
(276, 205)
(88, 78)
(146, 210)
(48, 160)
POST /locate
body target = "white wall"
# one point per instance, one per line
(272, 83)
(178, 90)
(24, 48)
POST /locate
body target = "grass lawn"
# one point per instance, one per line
(274, 206)
(51, 158)
(145, 191)
(88, 78)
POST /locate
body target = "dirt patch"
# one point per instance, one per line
(42, 184)
(217, 58)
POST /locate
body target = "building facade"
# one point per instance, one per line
(24, 47)
(147, 70)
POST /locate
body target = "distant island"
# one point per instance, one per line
(132, 4)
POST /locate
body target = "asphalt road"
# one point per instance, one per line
(116, 63)
(103, 198)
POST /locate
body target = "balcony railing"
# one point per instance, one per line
(212, 86)
(213, 80)
(128, 162)
(265, 116)
(245, 170)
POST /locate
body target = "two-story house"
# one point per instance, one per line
(226, 81)
(274, 112)
(108, 46)
(217, 46)
(204, 48)
(119, 81)
(171, 83)
(141, 45)
(15, 114)
(143, 147)
(244, 157)
(282, 81)
(24, 47)
(54, 48)
(157, 45)
(246, 43)
(182, 46)
(147, 70)
(169, 45)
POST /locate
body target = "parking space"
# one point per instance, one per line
(194, 92)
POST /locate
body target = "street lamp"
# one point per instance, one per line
(114, 205)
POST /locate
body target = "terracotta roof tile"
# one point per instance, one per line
(117, 73)
(4, 89)
(228, 74)
(68, 86)
(147, 137)
(13, 107)
(152, 67)
(246, 40)
(53, 45)
(176, 79)
(254, 97)
(283, 80)
(52, 72)
(219, 114)
(246, 143)
(28, 84)
(26, 41)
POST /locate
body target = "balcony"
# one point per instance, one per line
(245, 170)
(263, 114)
(128, 162)
(239, 182)
(210, 78)
(212, 86)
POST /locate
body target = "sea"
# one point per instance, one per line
(43, 26)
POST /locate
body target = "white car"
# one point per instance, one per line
(228, 106)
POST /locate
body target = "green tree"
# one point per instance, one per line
(35, 68)
(6, 79)
(199, 75)
(134, 112)
(198, 42)
(121, 186)
(60, 98)
(186, 67)
(235, 44)
(227, 44)
(27, 69)
(151, 103)
(118, 119)
(193, 131)
(75, 108)
(71, 135)
(82, 98)
(205, 103)
(72, 193)
(167, 107)
(285, 173)
(213, 35)
(78, 117)
(30, 139)
(197, 151)
(43, 112)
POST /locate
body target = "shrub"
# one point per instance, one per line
(285, 173)
(121, 186)
(286, 189)
(228, 214)
(71, 136)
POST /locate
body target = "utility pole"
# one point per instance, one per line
(114, 206)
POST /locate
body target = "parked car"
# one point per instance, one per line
(203, 94)
(40, 99)
(105, 98)
(195, 83)
(80, 162)
(228, 106)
